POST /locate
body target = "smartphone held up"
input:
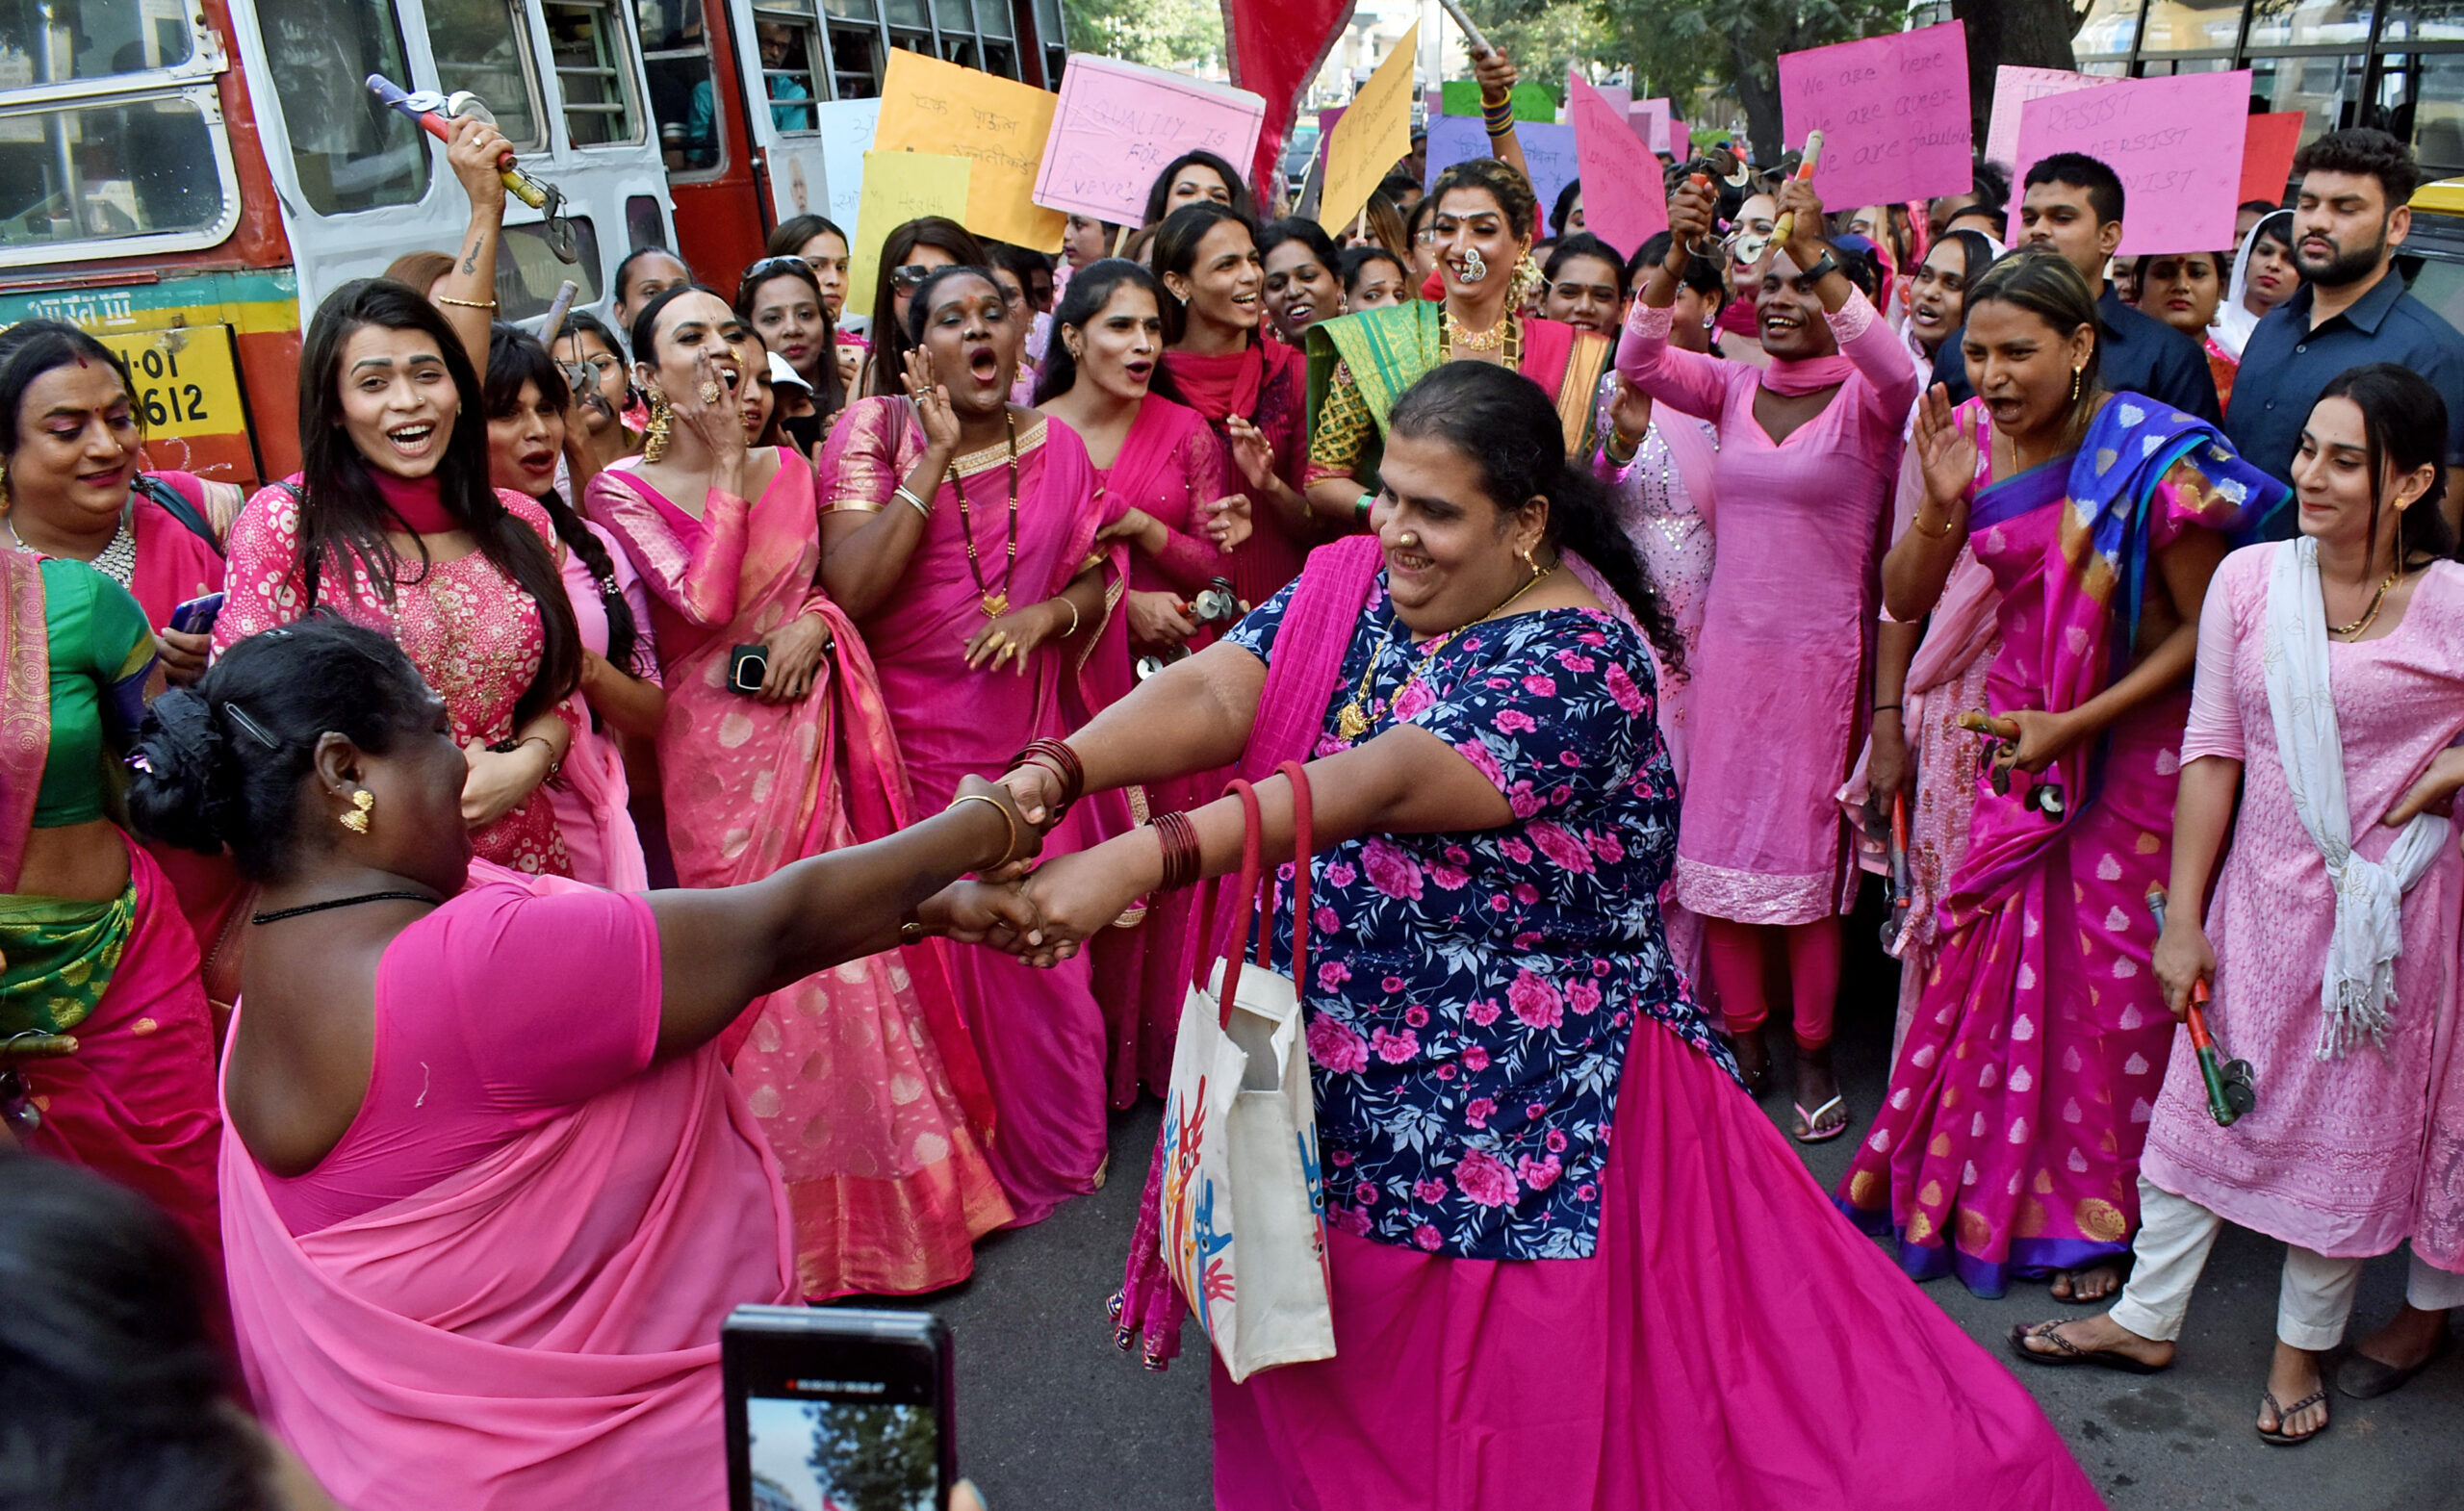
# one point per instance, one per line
(837, 1409)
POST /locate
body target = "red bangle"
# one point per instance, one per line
(1057, 758)
(1178, 837)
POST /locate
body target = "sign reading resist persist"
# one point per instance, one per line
(2176, 143)
(1892, 112)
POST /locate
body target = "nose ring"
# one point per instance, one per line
(1408, 541)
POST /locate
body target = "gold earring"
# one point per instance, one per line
(2075, 378)
(1532, 565)
(662, 428)
(356, 821)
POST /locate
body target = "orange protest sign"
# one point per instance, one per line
(932, 106)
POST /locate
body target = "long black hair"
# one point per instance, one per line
(1159, 195)
(343, 518)
(222, 763)
(515, 357)
(2405, 418)
(1090, 289)
(117, 1392)
(1174, 251)
(887, 363)
(1508, 429)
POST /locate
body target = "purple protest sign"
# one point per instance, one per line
(1892, 112)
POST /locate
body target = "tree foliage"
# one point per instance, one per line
(1165, 34)
(876, 1458)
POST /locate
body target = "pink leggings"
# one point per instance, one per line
(1736, 960)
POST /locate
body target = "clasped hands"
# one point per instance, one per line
(1043, 915)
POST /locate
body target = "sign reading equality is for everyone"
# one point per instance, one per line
(1892, 112)
(1374, 130)
(2176, 143)
(1119, 123)
(999, 125)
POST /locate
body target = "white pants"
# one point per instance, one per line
(2175, 1234)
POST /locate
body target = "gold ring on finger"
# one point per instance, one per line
(710, 390)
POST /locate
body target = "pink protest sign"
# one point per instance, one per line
(2013, 89)
(2176, 142)
(1622, 202)
(1649, 120)
(1681, 141)
(1892, 112)
(1118, 123)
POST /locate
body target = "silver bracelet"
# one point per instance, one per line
(902, 491)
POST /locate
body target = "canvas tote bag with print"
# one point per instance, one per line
(1243, 1205)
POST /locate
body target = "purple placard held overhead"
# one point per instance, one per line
(1892, 112)
(1548, 149)
(2176, 143)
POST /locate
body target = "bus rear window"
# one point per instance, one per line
(107, 172)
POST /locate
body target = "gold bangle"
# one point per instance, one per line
(468, 304)
(1073, 617)
(994, 804)
(1916, 521)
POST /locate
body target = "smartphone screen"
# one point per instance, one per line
(836, 1409)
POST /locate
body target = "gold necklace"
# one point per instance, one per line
(2377, 601)
(1505, 335)
(995, 602)
(1353, 721)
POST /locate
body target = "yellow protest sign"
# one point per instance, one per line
(1000, 124)
(1375, 130)
(898, 187)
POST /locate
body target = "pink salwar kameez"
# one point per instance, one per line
(2009, 1142)
(1788, 624)
(1171, 465)
(864, 1076)
(1041, 1035)
(2353, 1154)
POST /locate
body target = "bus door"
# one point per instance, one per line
(690, 49)
(805, 51)
(360, 185)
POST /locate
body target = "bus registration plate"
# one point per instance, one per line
(187, 385)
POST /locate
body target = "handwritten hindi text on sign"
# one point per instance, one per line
(1892, 112)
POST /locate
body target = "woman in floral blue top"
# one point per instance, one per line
(1527, 1314)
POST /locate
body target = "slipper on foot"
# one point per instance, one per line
(2071, 1355)
(2364, 1378)
(2285, 1440)
(1814, 1134)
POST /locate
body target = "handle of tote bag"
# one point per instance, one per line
(1258, 884)
(1252, 882)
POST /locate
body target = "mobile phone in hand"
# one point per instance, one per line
(197, 616)
(835, 1406)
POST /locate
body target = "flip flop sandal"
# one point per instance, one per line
(2072, 1355)
(2286, 1440)
(1814, 1134)
(2363, 1378)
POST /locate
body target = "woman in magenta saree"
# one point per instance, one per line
(1162, 467)
(2009, 1143)
(960, 532)
(863, 1077)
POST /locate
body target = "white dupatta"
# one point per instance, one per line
(2359, 985)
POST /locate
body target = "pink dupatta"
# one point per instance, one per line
(25, 706)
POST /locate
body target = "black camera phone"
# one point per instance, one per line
(747, 666)
(834, 1406)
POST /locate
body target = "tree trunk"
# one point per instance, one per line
(1760, 99)
(2029, 34)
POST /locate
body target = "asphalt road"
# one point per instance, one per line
(1052, 1417)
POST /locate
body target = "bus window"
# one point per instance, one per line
(482, 46)
(109, 171)
(788, 52)
(676, 51)
(529, 274)
(1001, 59)
(350, 152)
(586, 41)
(855, 61)
(94, 40)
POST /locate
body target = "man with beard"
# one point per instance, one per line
(2072, 203)
(2352, 308)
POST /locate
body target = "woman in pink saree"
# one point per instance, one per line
(489, 1193)
(863, 1077)
(2009, 1143)
(1162, 466)
(961, 534)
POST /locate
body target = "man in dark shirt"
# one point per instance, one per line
(2073, 205)
(2349, 219)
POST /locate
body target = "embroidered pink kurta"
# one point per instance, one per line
(2348, 1157)
(1788, 621)
(471, 630)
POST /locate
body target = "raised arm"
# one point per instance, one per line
(1691, 382)
(468, 294)
(869, 528)
(1498, 77)
(721, 947)
(1864, 338)
(1921, 559)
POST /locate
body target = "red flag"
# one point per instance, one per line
(1276, 47)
